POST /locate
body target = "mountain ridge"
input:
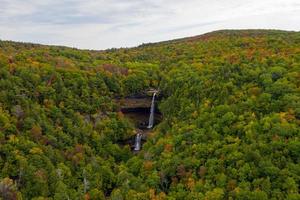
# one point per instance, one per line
(211, 33)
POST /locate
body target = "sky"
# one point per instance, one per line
(102, 24)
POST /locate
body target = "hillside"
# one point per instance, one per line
(230, 102)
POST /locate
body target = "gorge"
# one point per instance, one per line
(141, 110)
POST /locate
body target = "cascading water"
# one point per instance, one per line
(137, 144)
(151, 117)
(138, 138)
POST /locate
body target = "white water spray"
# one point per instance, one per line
(137, 144)
(152, 109)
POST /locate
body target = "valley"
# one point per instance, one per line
(223, 111)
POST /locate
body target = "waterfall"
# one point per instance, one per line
(137, 144)
(138, 138)
(151, 117)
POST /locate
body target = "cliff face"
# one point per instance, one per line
(134, 103)
(137, 109)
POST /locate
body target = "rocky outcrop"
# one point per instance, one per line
(140, 101)
(130, 103)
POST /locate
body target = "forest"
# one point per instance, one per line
(230, 127)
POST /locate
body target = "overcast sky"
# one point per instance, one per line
(101, 24)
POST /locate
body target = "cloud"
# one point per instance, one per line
(99, 24)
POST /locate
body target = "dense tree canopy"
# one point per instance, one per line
(230, 129)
